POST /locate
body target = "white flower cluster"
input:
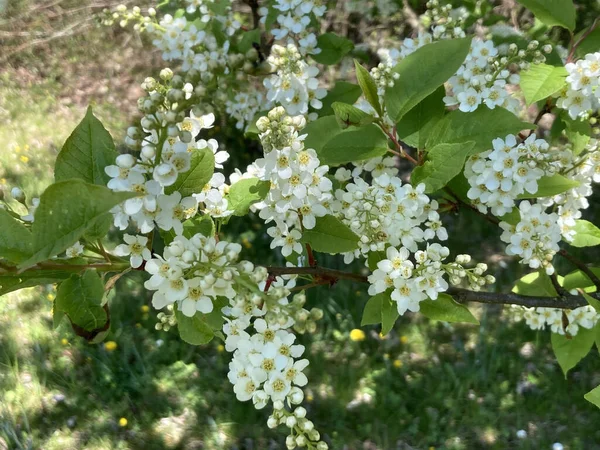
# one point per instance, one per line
(499, 175)
(534, 238)
(266, 364)
(560, 321)
(244, 107)
(581, 94)
(294, 84)
(299, 185)
(197, 49)
(387, 212)
(416, 276)
(162, 158)
(482, 80)
(585, 169)
(294, 20)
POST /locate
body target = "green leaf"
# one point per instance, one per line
(86, 153)
(354, 144)
(194, 330)
(202, 167)
(445, 308)
(444, 162)
(590, 44)
(578, 132)
(245, 193)
(348, 115)
(343, 92)
(368, 86)
(422, 72)
(16, 243)
(248, 39)
(593, 396)
(550, 185)
(540, 81)
(535, 284)
(481, 126)
(413, 129)
(380, 309)
(320, 132)
(553, 12)
(67, 210)
(31, 278)
(586, 234)
(198, 224)
(330, 236)
(595, 303)
(569, 351)
(80, 298)
(333, 48)
(100, 228)
(578, 279)
(373, 258)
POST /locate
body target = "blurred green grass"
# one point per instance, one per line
(426, 385)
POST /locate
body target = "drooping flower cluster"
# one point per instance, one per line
(294, 84)
(294, 20)
(581, 94)
(299, 185)
(498, 176)
(560, 321)
(534, 238)
(387, 212)
(416, 276)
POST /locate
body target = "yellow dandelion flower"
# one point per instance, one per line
(145, 308)
(398, 364)
(220, 348)
(309, 397)
(246, 243)
(64, 341)
(122, 422)
(50, 297)
(110, 346)
(404, 339)
(357, 335)
(24, 159)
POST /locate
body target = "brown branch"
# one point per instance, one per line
(323, 275)
(581, 266)
(581, 39)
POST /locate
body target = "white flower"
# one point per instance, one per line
(75, 250)
(135, 247)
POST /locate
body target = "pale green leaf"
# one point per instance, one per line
(320, 131)
(553, 12)
(586, 234)
(16, 242)
(443, 162)
(333, 48)
(578, 279)
(245, 192)
(342, 92)
(570, 350)
(445, 308)
(380, 309)
(593, 396)
(67, 210)
(578, 132)
(354, 144)
(201, 171)
(368, 86)
(330, 236)
(540, 81)
(413, 129)
(422, 72)
(86, 153)
(80, 298)
(551, 185)
(481, 126)
(194, 330)
(348, 115)
(535, 284)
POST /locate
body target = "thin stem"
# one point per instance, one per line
(312, 262)
(103, 251)
(557, 287)
(581, 266)
(574, 47)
